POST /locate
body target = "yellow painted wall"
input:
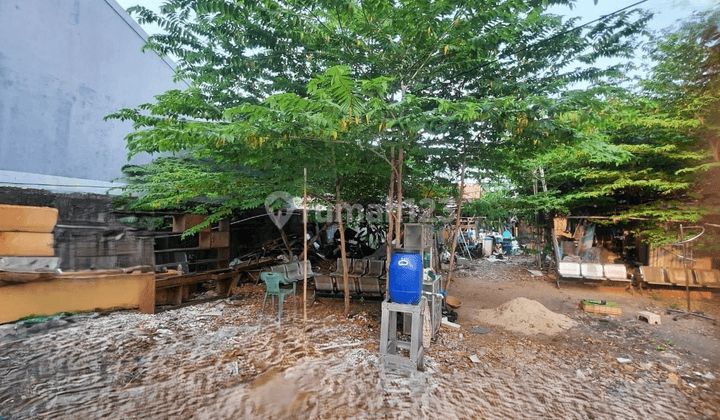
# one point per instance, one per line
(77, 292)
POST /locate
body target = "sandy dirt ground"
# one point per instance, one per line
(228, 360)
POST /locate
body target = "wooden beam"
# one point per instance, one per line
(147, 296)
(181, 280)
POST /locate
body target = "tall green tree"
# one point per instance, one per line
(633, 155)
(444, 80)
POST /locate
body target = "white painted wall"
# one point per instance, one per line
(64, 65)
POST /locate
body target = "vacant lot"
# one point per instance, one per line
(226, 359)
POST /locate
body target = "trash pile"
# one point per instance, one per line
(525, 316)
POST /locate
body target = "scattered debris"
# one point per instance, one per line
(671, 369)
(449, 324)
(475, 359)
(646, 365)
(536, 273)
(684, 314)
(649, 317)
(477, 330)
(339, 346)
(623, 360)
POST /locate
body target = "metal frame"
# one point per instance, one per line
(390, 345)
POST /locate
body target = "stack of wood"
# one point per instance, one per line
(27, 231)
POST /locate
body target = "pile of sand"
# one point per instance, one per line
(525, 316)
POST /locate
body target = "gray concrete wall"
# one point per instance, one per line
(64, 65)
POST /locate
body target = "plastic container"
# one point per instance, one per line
(406, 271)
(487, 245)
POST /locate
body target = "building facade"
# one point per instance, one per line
(64, 65)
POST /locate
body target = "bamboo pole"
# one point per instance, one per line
(343, 255)
(456, 229)
(687, 275)
(305, 247)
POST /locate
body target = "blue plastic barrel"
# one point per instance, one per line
(405, 282)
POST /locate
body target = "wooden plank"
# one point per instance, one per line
(147, 296)
(253, 264)
(209, 240)
(183, 222)
(223, 253)
(226, 283)
(182, 280)
(27, 244)
(222, 276)
(27, 218)
(160, 251)
(171, 264)
(177, 295)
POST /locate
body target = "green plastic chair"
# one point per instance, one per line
(272, 288)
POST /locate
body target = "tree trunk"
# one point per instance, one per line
(551, 223)
(536, 230)
(553, 237)
(456, 230)
(343, 255)
(391, 201)
(398, 180)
